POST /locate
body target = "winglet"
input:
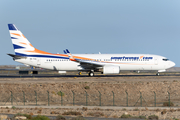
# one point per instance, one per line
(67, 51)
(70, 56)
(64, 51)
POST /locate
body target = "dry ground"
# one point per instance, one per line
(132, 84)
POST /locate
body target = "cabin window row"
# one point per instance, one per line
(57, 60)
(104, 60)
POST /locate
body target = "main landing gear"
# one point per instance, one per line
(91, 73)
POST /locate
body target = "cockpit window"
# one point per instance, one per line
(165, 59)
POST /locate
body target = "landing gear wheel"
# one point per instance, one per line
(91, 74)
(157, 74)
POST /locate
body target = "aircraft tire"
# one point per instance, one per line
(91, 74)
(157, 74)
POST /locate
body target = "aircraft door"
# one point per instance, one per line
(38, 61)
(156, 61)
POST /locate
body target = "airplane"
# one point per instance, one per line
(27, 54)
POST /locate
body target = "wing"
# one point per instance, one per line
(86, 64)
(90, 64)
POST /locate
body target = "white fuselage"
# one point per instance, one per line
(125, 61)
(27, 54)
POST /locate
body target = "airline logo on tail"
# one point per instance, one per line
(23, 47)
(20, 43)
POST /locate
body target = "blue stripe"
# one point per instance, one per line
(13, 38)
(11, 27)
(17, 46)
(45, 56)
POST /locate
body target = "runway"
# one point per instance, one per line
(84, 75)
(71, 76)
(56, 78)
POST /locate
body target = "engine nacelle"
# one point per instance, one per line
(111, 69)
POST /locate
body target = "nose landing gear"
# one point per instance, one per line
(157, 74)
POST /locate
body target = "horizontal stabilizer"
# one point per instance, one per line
(16, 56)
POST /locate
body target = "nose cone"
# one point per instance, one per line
(172, 64)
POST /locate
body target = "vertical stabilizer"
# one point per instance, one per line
(19, 41)
(21, 44)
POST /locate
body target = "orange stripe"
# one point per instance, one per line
(61, 55)
(72, 59)
(31, 45)
(16, 34)
(23, 43)
(38, 51)
(23, 36)
(43, 52)
(83, 58)
(141, 57)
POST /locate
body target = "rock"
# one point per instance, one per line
(20, 118)
(126, 113)
(3, 117)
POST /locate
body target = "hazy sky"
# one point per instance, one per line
(92, 26)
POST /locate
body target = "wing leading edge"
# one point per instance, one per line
(87, 64)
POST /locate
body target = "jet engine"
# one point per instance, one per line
(111, 69)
